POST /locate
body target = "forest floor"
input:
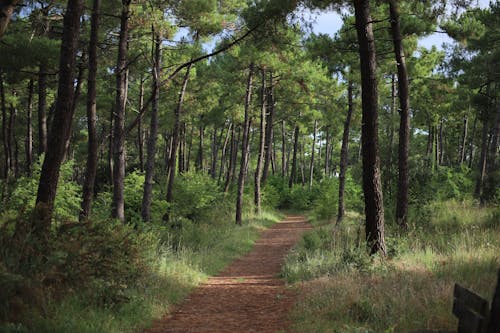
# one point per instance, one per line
(248, 296)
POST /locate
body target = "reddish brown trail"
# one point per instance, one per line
(247, 296)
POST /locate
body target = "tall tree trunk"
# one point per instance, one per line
(11, 139)
(244, 147)
(471, 143)
(224, 153)
(29, 129)
(283, 149)
(92, 144)
(313, 150)
(344, 153)
(215, 151)
(153, 132)
(269, 129)
(327, 151)
(118, 203)
(482, 161)
(199, 157)
(140, 132)
(262, 144)
(392, 112)
(175, 140)
(372, 187)
(5, 134)
(232, 160)
(111, 164)
(404, 124)
(293, 172)
(42, 109)
(182, 148)
(189, 146)
(441, 140)
(61, 124)
(492, 181)
(463, 144)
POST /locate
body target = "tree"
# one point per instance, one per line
(61, 123)
(372, 187)
(6, 10)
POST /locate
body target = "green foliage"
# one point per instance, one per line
(67, 203)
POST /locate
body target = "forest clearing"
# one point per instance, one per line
(243, 166)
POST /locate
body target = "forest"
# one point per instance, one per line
(153, 150)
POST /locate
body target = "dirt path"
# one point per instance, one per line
(247, 296)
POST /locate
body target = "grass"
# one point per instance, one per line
(342, 289)
(202, 250)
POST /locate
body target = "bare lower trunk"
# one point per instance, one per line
(293, 172)
(269, 129)
(140, 132)
(92, 146)
(244, 147)
(372, 188)
(283, 149)
(344, 154)
(29, 130)
(313, 150)
(232, 160)
(262, 142)
(463, 144)
(42, 109)
(5, 139)
(61, 123)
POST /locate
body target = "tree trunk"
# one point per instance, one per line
(153, 132)
(262, 144)
(404, 124)
(244, 147)
(344, 153)
(29, 129)
(313, 150)
(224, 153)
(269, 129)
(42, 109)
(11, 139)
(5, 134)
(118, 203)
(199, 157)
(482, 161)
(283, 149)
(232, 160)
(92, 145)
(441, 140)
(471, 143)
(111, 164)
(372, 187)
(61, 124)
(463, 143)
(140, 132)
(215, 151)
(175, 140)
(182, 148)
(327, 151)
(293, 172)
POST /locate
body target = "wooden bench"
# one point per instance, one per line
(473, 312)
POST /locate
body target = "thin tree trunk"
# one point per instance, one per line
(262, 144)
(471, 144)
(224, 153)
(118, 203)
(189, 146)
(199, 157)
(92, 145)
(441, 139)
(232, 160)
(269, 129)
(42, 109)
(482, 161)
(293, 172)
(140, 132)
(215, 151)
(244, 147)
(327, 152)
(463, 144)
(182, 148)
(11, 139)
(111, 163)
(147, 196)
(4, 128)
(61, 124)
(404, 124)
(372, 187)
(175, 140)
(344, 153)
(283, 149)
(29, 129)
(313, 150)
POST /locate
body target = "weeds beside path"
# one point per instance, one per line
(247, 296)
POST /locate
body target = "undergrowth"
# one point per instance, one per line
(343, 289)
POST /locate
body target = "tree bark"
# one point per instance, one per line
(262, 143)
(42, 109)
(224, 153)
(313, 151)
(441, 141)
(327, 151)
(269, 129)
(118, 203)
(153, 132)
(232, 160)
(463, 143)
(283, 149)
(244, 147)
(344, 153)
(175, 140)
(11, 140)
(140, 132)
(372, 187)
(61, 123)
(28, 144)
(5, 138)
(199, 157)
(482, 161)
(404, 124)
(92, 144)
(293, 172)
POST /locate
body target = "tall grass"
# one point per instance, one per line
(342, 289)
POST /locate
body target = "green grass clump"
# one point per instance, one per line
(343, 289)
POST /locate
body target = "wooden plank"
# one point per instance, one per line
(471, 300)
(468, 320)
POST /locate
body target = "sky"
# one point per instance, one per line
(330, 22)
